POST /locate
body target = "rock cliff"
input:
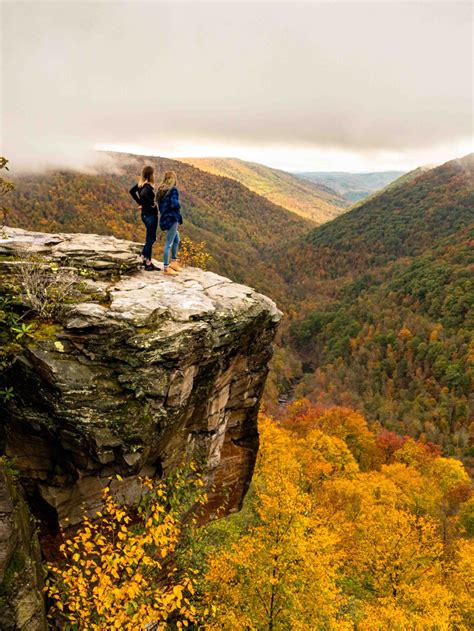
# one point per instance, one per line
(130, 372)
(21, 576)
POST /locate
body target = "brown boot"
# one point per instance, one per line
(169, 271)
(176, 266)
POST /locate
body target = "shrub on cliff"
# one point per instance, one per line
(121, 570)
(43, 285)
(5, 187)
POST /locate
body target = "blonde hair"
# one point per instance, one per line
(147, 176)
(169, 180)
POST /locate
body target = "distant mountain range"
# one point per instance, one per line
(352, 187)
(312, 201)
(403, 179)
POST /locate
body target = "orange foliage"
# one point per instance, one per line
(344, 423)
(389, 539)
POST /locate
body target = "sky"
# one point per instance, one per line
(313, 86)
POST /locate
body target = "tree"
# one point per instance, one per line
(340, 422)
(119, 569)
(325, 545)
(5, 187)
(460, 577)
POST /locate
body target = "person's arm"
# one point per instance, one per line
(134, 193)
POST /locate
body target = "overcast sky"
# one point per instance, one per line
(301, 86)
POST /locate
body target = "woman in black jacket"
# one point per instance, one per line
(167, 197)
(144, 194)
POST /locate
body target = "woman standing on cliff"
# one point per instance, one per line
(167, 197)
(144, 194)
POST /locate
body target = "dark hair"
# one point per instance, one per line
(147, 176)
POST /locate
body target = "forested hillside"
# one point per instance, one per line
(356, 530)
(238, 226)
(403, 222)
(401, 351)
(313, 201)
(342, 528)
(388, 325)
(351, 186)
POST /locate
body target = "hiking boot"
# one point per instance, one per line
(176, 266)
(151, 268)
(169, 271)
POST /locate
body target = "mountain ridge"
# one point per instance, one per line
(406, 177)
(385, 323)
(316, 203)
(393, 224)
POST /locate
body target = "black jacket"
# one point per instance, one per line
(145, 197)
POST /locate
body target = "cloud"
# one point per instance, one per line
(360, 78)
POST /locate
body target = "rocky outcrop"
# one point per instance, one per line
(135, 371)
(21, 601)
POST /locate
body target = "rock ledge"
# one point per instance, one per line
(137, 370)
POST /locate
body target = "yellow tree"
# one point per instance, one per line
(344, 423)
(393, 558)
(324, 545)
(323, 457)
(460, 577)
(282, 572)
(437, 487)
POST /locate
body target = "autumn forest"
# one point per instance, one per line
(360, 514)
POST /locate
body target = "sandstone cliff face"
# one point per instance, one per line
(136, 370)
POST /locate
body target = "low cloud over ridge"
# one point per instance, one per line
(358, 77)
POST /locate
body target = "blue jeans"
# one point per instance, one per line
(172, 241)
(151, 224)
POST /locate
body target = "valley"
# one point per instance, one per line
(378, 301)
(352, 187)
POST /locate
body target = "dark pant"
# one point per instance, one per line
(151, 223)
